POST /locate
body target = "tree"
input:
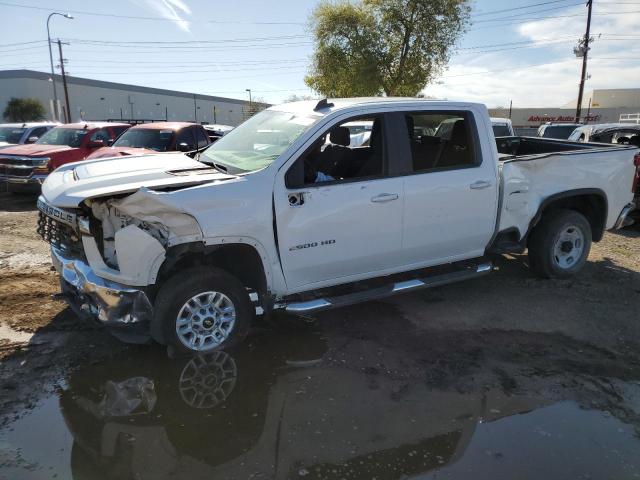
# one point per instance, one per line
(24, 110)
(375, 47)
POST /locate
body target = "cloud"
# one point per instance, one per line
(174, 10)
(498, 77)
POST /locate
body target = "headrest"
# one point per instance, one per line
(459, 133)
(340, 136)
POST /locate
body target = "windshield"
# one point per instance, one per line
(256, 143)
(158, 140)
(501, 131)
(71, 137)
(11, 134)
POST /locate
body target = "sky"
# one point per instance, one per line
(514, 50)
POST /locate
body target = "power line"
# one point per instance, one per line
(491, 12)
(183, 42)
(520, 15)
(134, 17)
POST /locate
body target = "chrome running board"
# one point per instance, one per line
(319, 304)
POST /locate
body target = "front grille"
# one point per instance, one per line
(15, 172)
(58, 234)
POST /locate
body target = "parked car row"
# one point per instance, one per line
(34, 150)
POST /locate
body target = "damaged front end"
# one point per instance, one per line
(126, 310)
(108, 253)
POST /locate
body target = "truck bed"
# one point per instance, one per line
(511, 148)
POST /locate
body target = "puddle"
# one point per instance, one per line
(276, 407)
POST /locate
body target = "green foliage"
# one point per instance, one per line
(24, 110)
(375, 47)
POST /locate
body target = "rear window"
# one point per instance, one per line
(158, 140)
(71, 137)
(501, 131)
(558, 131)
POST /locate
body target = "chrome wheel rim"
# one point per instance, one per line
(205, 321)
(208, 380)
(568, 248)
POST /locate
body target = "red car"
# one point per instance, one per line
(25, 166)
(157, 137)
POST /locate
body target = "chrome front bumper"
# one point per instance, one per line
(111, 304)
(18, 180)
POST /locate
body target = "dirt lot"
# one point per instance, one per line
(515, 343)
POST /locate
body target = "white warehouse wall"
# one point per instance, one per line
(97, 100)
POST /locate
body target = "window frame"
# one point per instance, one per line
(472, 134)
(383, 116)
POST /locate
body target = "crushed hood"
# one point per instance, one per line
(70, 184)
(36, 150)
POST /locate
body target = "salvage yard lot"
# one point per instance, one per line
(506, 336)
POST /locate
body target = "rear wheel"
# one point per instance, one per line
(560, 244)
(202, 310)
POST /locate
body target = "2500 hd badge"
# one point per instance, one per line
(311, 245)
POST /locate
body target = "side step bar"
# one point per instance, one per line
(319, 304)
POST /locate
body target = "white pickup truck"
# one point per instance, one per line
(274, 217)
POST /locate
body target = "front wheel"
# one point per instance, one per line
(560, 244)
(203, 309)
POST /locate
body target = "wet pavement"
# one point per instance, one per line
(339, 400)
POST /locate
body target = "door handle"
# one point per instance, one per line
(384, 197)
(480, 184)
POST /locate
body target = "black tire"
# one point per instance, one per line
(542, 257)
(176, 291)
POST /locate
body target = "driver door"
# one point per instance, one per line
(340, 230)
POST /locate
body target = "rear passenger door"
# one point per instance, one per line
(450, 191)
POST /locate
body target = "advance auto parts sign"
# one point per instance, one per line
(560, 118)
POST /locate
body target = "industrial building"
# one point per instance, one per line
(598, 106)
(99, 100)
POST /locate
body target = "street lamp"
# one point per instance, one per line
(250, 102)
(53, 78)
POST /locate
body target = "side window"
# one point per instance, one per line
(38, 132)
(186, 136)
(440, 140)
(203, 140)
(117, 131)
(101, 134)
(348, 151)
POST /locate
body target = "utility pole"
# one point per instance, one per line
(195, 109)
(64, 82)
(510, 108)
(53, 75)
(583, 50)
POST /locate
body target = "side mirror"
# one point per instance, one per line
(184, 147)
(32, 139)
(96, 143)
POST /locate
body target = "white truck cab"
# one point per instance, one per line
(22, 133)
(282, 213)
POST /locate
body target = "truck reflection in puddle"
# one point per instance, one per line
(270, 409)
